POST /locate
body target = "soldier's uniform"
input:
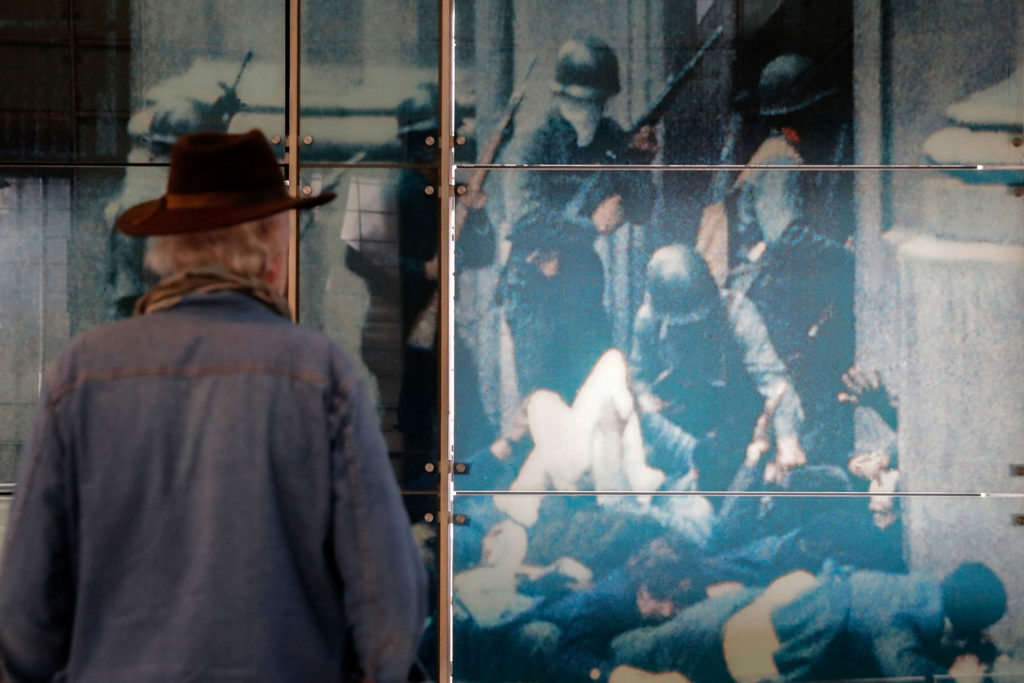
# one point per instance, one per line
(558, 323)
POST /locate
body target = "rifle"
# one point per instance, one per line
(228, 104)
(660, 104)
(475, 198)
(653, 114)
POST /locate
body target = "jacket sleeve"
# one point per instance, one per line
(899, 651)
(767, 371)
(37, 591)
(383, 575)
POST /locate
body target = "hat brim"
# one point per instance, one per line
(154, 218)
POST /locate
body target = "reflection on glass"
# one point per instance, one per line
(66, 269)
(368, 268)
(369, 78)
(729, 589)
(115, 81)
(422, 509)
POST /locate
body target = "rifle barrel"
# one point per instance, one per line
(655, 111)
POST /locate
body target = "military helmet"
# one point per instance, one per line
(973, 598)
(586, 69)
(679, 284)
(174, 117)
(786, 85)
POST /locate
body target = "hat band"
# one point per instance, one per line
(211, 200)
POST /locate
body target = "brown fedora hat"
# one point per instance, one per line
(216, 180)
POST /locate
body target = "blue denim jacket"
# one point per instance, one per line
(207, 496)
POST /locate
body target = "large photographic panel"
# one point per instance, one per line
(656, 351)
(368, 277)
(726, 588)
(855, 82)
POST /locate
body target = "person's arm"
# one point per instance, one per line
(37, 585)
(899, 652)
(383, 575)
(867, 389)
(643, 358)
(771, 377)
(763, 365)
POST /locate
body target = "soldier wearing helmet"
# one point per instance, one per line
(786, 234)
(553, 281)
(703, 368)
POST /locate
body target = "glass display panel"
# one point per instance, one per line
(652, 354)
(368, 277)
(369, 88)
(736, 588)
(784, 66)
(422, 508)
(120, 81)
(65, 269)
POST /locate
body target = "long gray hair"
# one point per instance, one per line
(247, 249)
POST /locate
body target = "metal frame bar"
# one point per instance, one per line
(446, 175)
(292, 147)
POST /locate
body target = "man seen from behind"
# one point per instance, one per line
(206, 494)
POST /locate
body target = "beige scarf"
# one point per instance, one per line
(174, 288)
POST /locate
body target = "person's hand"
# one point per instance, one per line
(546, 261)
(755, 450)
(967, 668)
(760, 441)
(608, 215)
(789, 454)
(866, 389)
(643, 147)
(648, 403)
(430, 269)
(501, 448)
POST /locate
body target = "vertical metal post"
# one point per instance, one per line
(292, 149)
(446, 81)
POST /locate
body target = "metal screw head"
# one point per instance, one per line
(307, 190)
(429, 140)
(276, 139)
(308, 140)
(429, 190)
